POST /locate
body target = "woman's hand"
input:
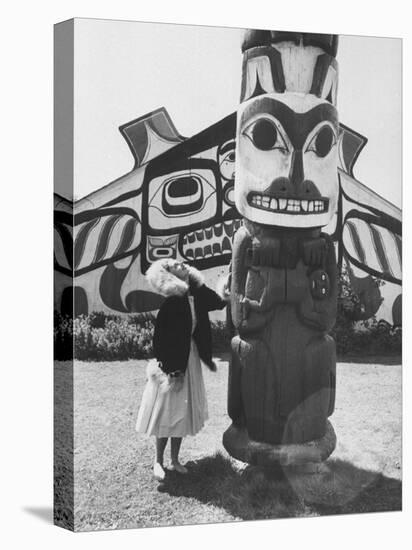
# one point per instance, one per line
(223, 288)
(176, 380)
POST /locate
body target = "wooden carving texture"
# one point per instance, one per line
(283, 304)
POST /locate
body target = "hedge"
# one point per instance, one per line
(102, 337)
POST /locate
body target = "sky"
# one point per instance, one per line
(125, 69)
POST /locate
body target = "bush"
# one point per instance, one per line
(362, 338)
(105, 337)
(63, 337)
(102, 337)
(114, 338)
(369, 338)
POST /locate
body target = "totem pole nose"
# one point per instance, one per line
(279, 187)
(296, 175)
(302, 187)
(285, 187)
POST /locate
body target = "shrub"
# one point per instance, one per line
(109, 338)
(102, 337)
(63, 337)
(362, 338)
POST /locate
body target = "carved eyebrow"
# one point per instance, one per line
(228, 147)
(297, 125)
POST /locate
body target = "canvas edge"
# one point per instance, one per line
(63, 436)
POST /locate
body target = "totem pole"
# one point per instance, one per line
(284, 275)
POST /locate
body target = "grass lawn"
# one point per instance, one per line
(114, 487)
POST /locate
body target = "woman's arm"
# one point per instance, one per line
(209, 298)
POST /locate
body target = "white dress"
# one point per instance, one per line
(173, 408)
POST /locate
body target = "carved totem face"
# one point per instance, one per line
(287, 137)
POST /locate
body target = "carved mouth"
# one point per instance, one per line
(212, 241)
(288, 206)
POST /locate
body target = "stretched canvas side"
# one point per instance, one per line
(63, 275)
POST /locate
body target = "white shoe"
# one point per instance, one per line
(179, 468)
(158, 471)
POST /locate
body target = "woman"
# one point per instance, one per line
(174, 401)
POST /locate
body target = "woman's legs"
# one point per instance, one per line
(158, 470)
(161, 443)
(175, 448)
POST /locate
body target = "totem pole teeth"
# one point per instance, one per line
(212, 241)
(290, 206)
(228, 227)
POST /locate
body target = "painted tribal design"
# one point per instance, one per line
(108, 239)
(268, 66)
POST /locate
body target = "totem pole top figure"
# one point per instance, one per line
(288, 130)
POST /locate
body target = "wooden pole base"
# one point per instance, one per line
(238, 444)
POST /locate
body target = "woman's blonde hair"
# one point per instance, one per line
(166, 283)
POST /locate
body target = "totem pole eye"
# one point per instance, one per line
(322, 142)
(265, 135)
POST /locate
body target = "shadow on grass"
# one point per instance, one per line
(395, 359)
(371, 359)
(256, 493)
